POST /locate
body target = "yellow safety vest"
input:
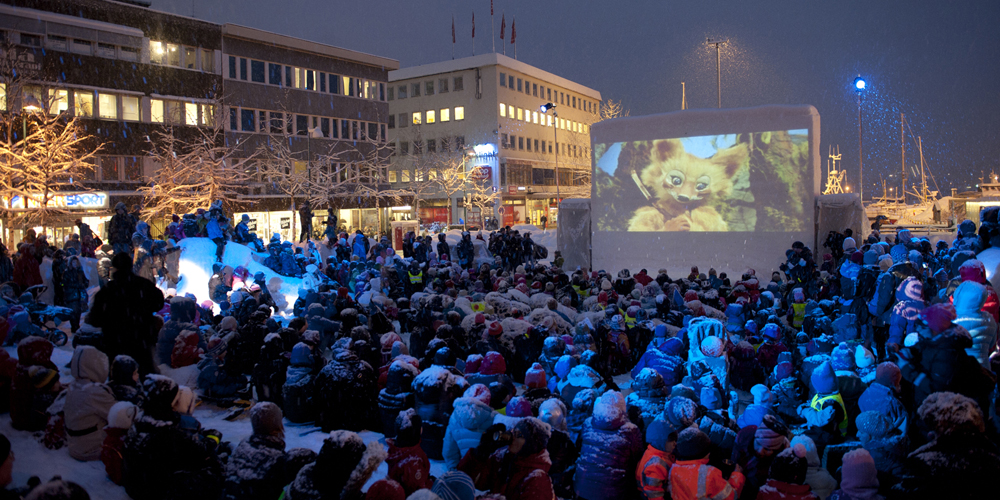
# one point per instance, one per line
(799, 314)
(416, 279)
(817, 404)
(582, 292)
(629, 321)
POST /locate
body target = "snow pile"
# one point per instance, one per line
(198, 256)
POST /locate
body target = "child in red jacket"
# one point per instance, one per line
(408, 464)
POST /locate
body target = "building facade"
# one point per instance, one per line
(484, 114)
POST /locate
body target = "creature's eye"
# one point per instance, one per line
(703, 183)
(677, 181)
(675, 177)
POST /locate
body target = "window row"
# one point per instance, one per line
(181, 56)
(443, 145)
(431, 116)
(87, 103)
(278, 122)
(545, 120)
(525, 175)
(115, 169)
(521, 143)
(241, 68)
(75, 45)
(346, 172)
(536, 90)
(428, 88)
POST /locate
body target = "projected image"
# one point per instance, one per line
(720, 183)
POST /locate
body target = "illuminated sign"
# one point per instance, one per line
(484, 150)
(480, 173)
(95, 200)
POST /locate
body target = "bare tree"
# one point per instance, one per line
(194, 171)
(612, 109)
(43, 151)
(450, 172)
(482, 196)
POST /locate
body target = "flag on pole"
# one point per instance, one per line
(491, 7)
(453, 30)
(513, 30)
(503, 25)
(473, 25)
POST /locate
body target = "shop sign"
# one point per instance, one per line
(511, 189)
(286, 223)
(252, 225)
(480, 173)
(95, 200)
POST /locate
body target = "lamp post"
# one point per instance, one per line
(555, 131)
(859, 87)
(718, 63)
(30, 104)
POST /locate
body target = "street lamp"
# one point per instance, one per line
(545, 108)
(860, 85)
(718, 63)
(30, 104)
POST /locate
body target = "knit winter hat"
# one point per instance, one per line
(885, 262)
(863, 357)
(790, 466)
(493, 364)
(536, 434)
(710, 398)
(771, 332)
(553, 411)
(842, 357)
(939, 316)
(535, 377)
(771, 436)
(713, 347)
(857, 257)
(408, 425)
(692, 444)
(120, 416)
(888, 374)
(762, 395)
(680, 412)
(823, 379)
(473, 363)
(495, 329)
(518, 407)
(783, 370)
(42, 377)
(454, 485)
(682, 391)
(874, 424)
(265, 419)
(859, 477)
(949, 413)
(58, 489)
(478, 392)
(385, 489)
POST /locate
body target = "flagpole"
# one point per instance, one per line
(453, 37)
(473, 33)
(502, 25)
(493, 35)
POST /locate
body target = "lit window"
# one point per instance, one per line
(459, 112)
(58, 101)
(392, 176)
(189, 58)
(190, 113)
(534, 117)
(156, 110)
(527, 116)
(416, 118)
(520, 114)
(130, 108)
(208, 61)
(84, 103)
(173, 55)
(586, 129)
(3, 97)
(430, 116)
(550, 121)
(405, 174)
(503, 110)
(511, 112)
(156, 52)
(445, 114)
(208, 115)
(107, 106)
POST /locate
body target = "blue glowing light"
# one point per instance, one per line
(859, 83)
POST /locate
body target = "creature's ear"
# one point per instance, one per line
(666, 148)
(732, 158)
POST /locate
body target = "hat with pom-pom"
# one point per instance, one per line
(535, 377)
(454, 485)
(473, 363)
(863, 357)
(385, 489)
(495, 329)
(823, 379)
(770, 436)
(478, 392)
(518, 407)
(713, 347)
(939, 316)
(680, 412)
(692, 444)
(842, 357)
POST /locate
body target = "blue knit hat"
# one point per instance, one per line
(454, 485)
(771, 332)
(842, 357)
(823, 379)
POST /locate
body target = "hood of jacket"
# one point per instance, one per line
(609, 411)
(35, 350)
(301, 355)
(89, 364)
(122, 369)
(910, 289)
(969, 298)
(473, 414)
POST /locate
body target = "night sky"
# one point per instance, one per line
(936, 61)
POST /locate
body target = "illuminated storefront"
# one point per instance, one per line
(92, 207)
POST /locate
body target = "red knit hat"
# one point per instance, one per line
(385, 489)
(495, 329)
(480, 319)
(534, 378)
(493, 364)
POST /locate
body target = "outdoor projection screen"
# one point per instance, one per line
(730, 189)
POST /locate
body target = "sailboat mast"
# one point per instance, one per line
(902, 147)
(923, 174)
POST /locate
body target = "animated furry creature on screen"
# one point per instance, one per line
(717, 183)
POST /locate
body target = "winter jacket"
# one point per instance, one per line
(906, 312)
(164, 460)
(518, 478)
(780, 490)
(958, 465)
(686, 482)
(88, 401)
(397, 395)
(647, 399)
(469, 420)
(345, 393)
(653, 473)
(611, 450)
(182, 314)
(668, 364)
(940, 363)
(297, 392)
(218, 380)
(124, 310)
(408, 466)
(436, 390)
(120, 228)
(269, 373)
(26, 272)
(25, 414)
(767, 355)
(745, 370)
(881, 399)
(969, 299)
(817, 477)
(257, 469)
